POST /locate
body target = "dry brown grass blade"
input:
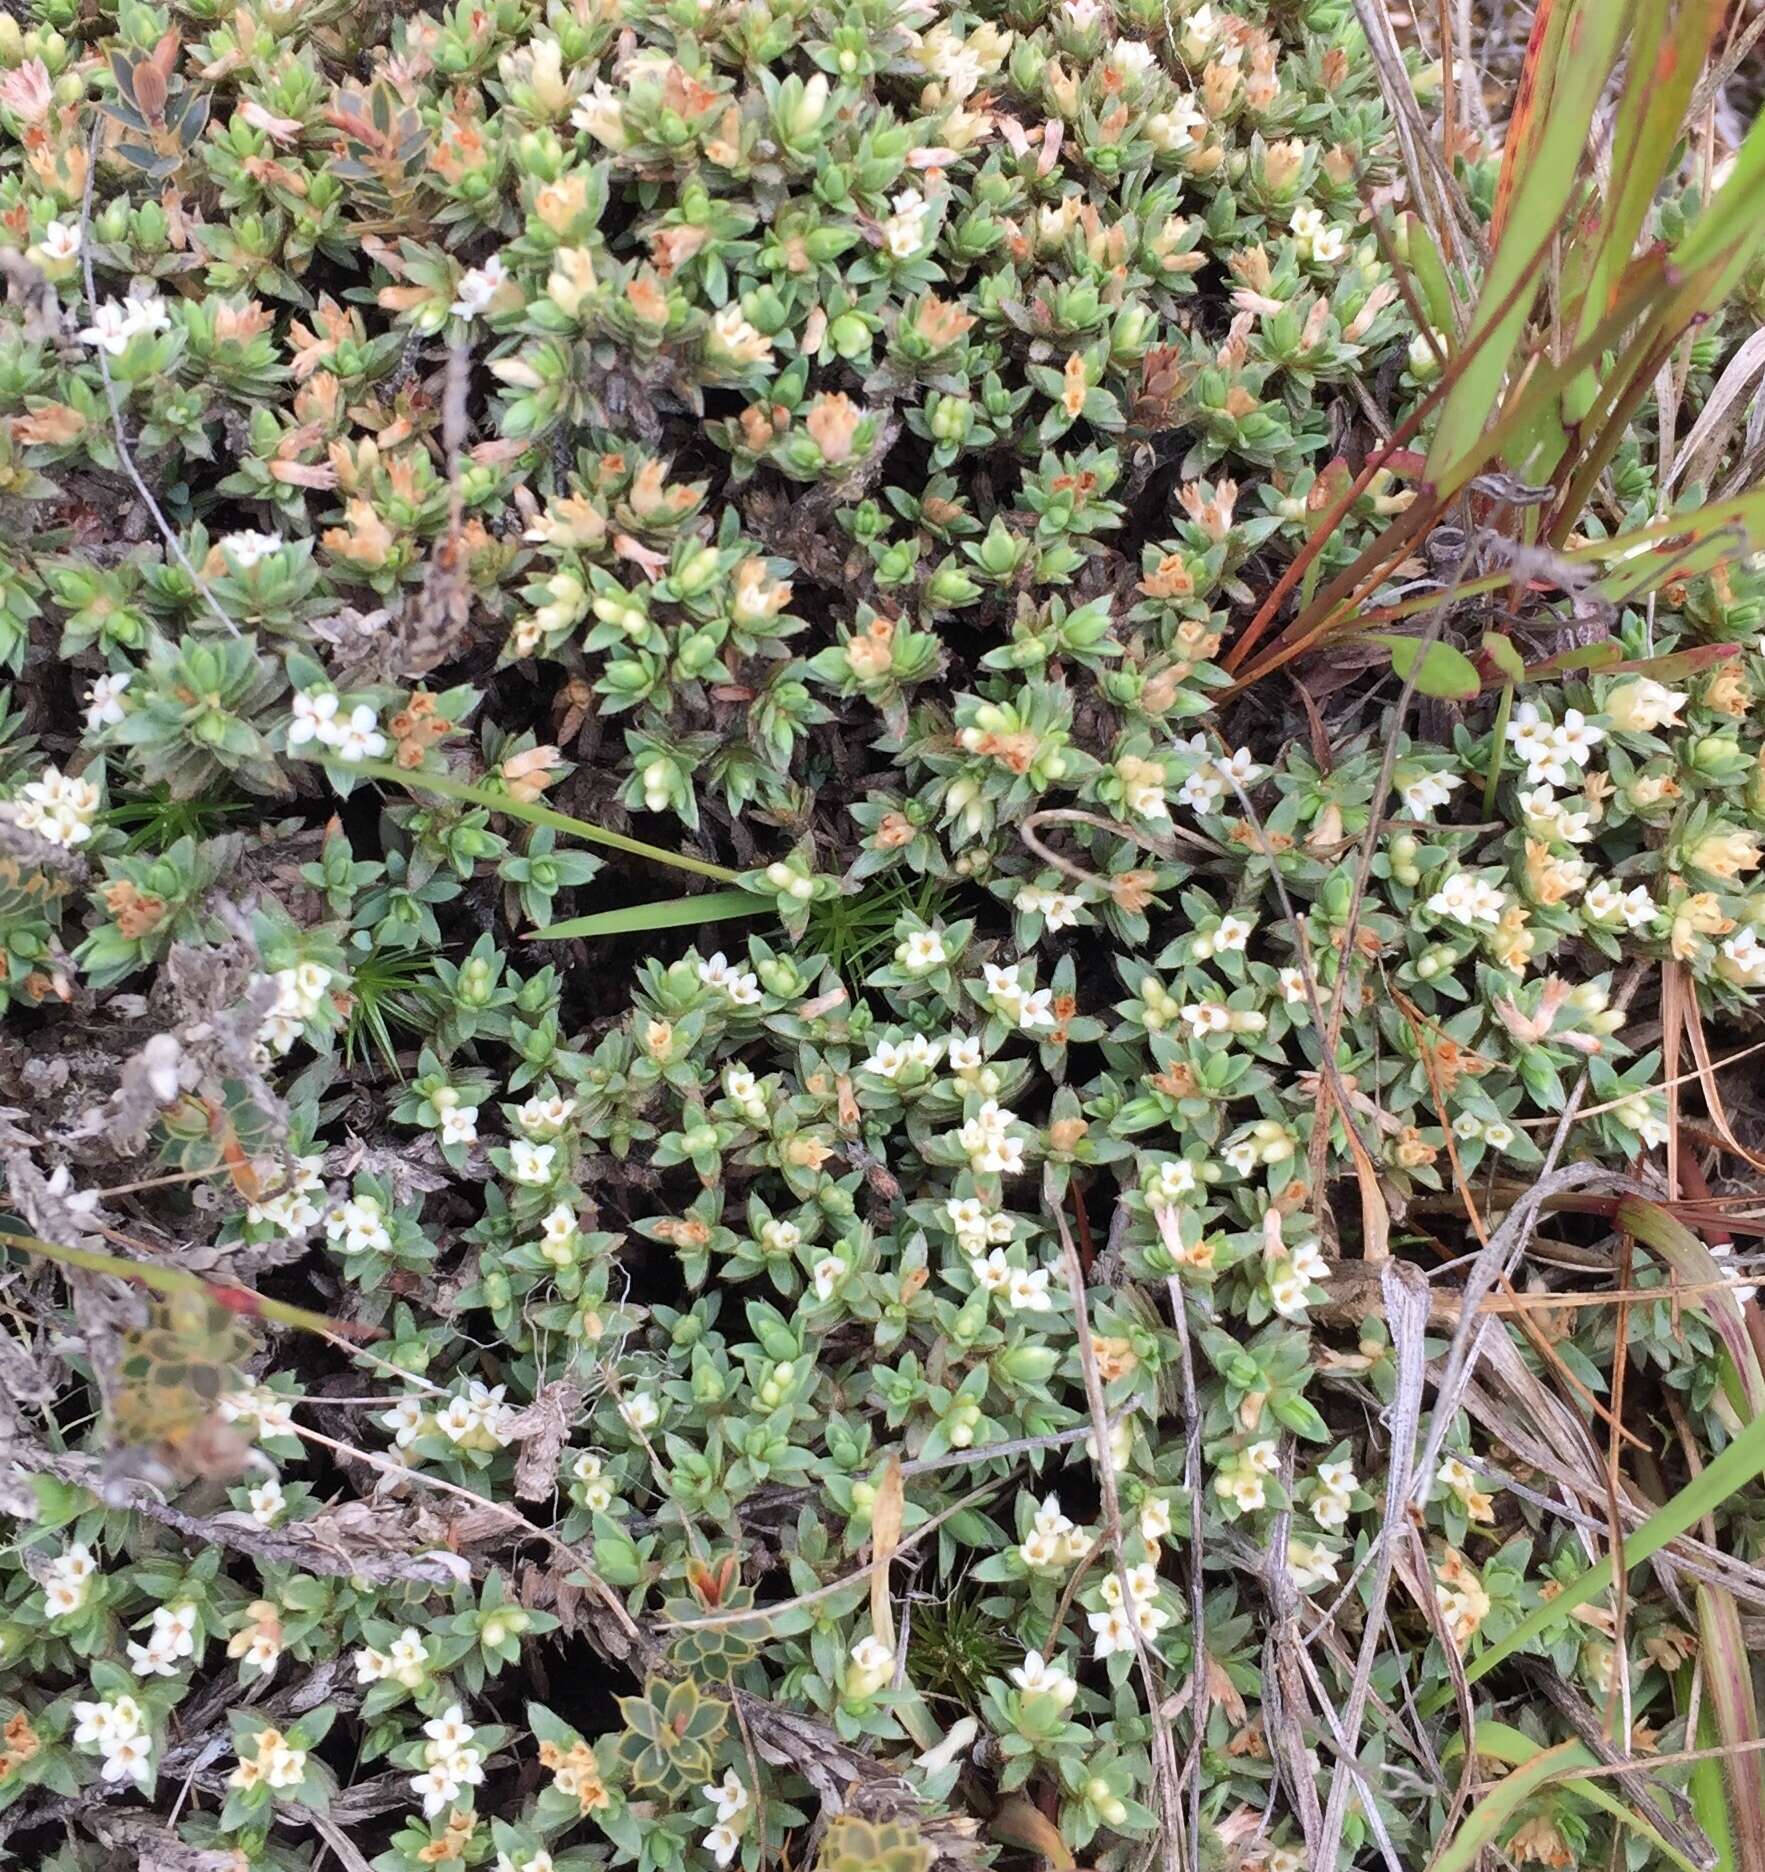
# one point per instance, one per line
(885, 1537)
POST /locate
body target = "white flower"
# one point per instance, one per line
(246, 549)
(1287, 1291)
(1311, 1563)
(405, 1420)
(639, 1410)
(1575, 737)
(1027, 1290)
(1036, 1010)
(830, 1270)
(1242, 1487)
(261, 1654)
(61, 240)
(408, 1658)
(1241, 767)
(315, 718)
(529, 1162)
(359, 737)
(1233, 933)
(127, 1760)
(1173, 1180)
(477, 287)
(728, 1796)
(104, 708)
(1114, 1631)
(266, 1502)
(722, 1843)
(152, 1659)
(1004, 989)
(449, 1730)
(1205, 1017)
(904, 231)
(1039, 1676)
(1426, 791)
(965, 1053)
(459, 1123)
(1155, 1518)
(1467, 898)
(1606, 903)
(371, 1665)
(1201, 791)
(1263, 1457)
(435, 1788)
(110, 330)
(1745, 958)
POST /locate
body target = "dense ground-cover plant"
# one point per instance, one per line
(937, 1366)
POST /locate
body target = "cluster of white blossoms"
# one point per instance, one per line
(1115, 1626)
(1467, 898)
(1024, 1290)
(741, 986)
(1744, 956)
(405, 1661)
(730, 1798)
(117, 1729)
(1548, 748)
(1030, 1008)
(1053, 1539)
(917, 1053)
(116, 321)
(1459, 1480)
(274, 1763)
(1240, 1479)
(290, 1207)
(357, 1225)
(257, 1644)
(67, 1580)
(451, 1761)
(1607, 904)
(262, 1411)
(1290, 1277)
(597, 1492)
(1423, 792)
(478, 1420)
(1206, 786)
(987, 1140)
(300, 994)
(977, 1227)
(1332, 1494)
(170, 1639)
(247, 549)
(545, 1117)
(351, 736)
(1058, 910)
(58, 807)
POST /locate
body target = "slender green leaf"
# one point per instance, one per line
(1728, 1684)
(711, 907)
(1489, 1819)
(532, 813)
(1727, 1474)
(1581, 61)
(1499, 1742)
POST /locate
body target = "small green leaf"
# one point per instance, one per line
(711, 907)
(1439, 669)
(1501, 652)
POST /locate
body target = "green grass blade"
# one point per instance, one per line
(1728, 1686)
(1586, 52)
(1502, 1743)
(1486, 1821)
(532, 813)
(1727, 1474)
(712, 907)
